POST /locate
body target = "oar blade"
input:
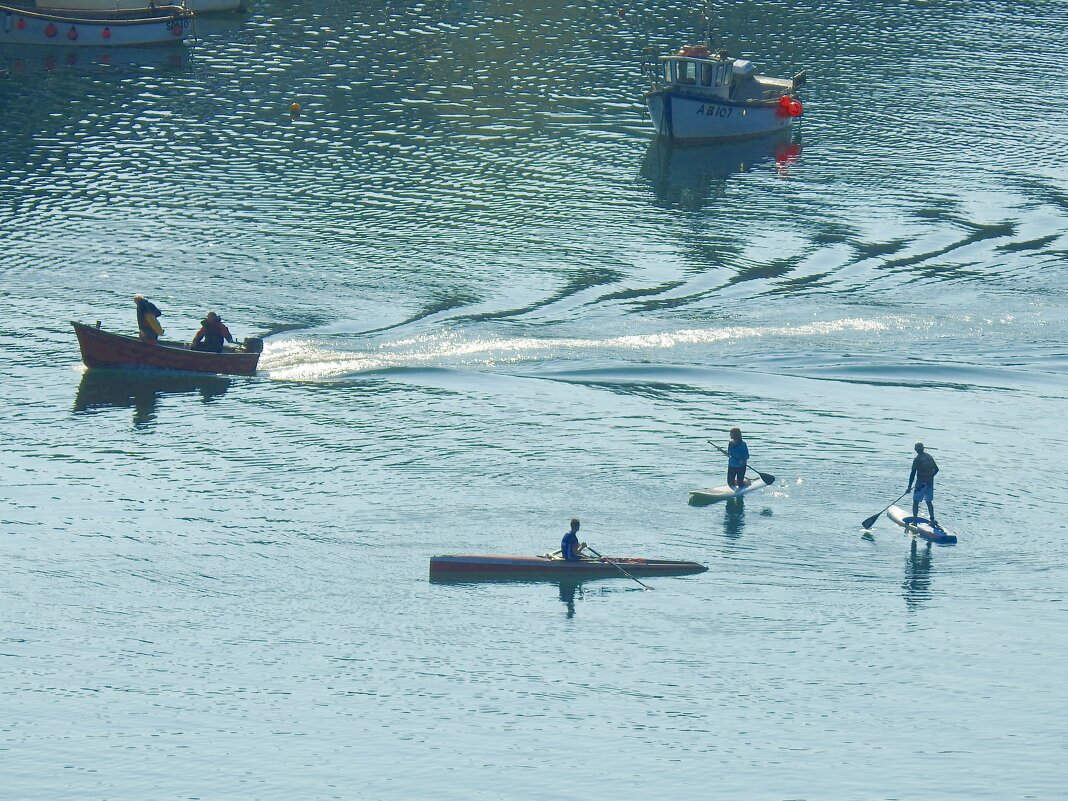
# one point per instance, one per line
(870, 521)
(767, 478)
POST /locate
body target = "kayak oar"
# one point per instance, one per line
(871, 520)
(767, 478)
(617, 566)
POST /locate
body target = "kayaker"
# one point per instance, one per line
(148, 326)
(737, 457)
(213, 332)
(570, 547)
(923, 472)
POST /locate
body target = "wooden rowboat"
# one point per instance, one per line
(470, 566)
(104, 349)
(139, 26)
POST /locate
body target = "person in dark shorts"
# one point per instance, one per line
(923, 473)
(737, 458)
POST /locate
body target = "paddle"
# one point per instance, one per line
(767, 478)
(871, 520)
(616, 565)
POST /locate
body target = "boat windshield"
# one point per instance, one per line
(698, 72)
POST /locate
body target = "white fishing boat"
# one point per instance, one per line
(196, 6)
(141, 26)
(697, 96)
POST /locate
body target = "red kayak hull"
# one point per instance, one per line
(104, 349)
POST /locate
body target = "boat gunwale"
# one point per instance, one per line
(171, 12)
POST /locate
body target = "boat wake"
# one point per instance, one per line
(301, 359)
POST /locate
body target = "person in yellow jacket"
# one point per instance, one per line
(148, 315)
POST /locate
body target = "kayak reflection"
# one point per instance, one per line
(569, 588)
(141, 391)
(685, 176)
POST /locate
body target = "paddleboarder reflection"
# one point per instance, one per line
(734, 518)
(917, 584)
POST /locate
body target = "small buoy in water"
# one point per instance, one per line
(622, 12)
(294, 109)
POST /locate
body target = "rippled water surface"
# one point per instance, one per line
(492, 302)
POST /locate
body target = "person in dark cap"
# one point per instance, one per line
(148, 327)
(213, 332)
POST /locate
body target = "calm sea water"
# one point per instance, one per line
(494, 303)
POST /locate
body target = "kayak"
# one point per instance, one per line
(723, 493)
(920, 526)
(552, 566)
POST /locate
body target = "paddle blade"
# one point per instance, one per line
(767, 478)
(870, 521)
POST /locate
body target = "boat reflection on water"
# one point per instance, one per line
(687, 176)
(30, 60)
(569, 588)
(141, 390)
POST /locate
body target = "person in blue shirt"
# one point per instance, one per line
(737, 457)
(570, 547)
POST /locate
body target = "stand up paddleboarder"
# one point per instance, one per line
(737, 457)
(923, 472)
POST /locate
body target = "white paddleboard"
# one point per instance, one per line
(724, 493)
(920, 526)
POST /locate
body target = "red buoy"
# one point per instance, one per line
(72, 34)
(795, 108)
(21, 24)
(50, 30)
(106, 33)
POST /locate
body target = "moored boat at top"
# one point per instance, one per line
(196, 6)
(700, 97)
(140, 26)
(105, 349)
(551, 566)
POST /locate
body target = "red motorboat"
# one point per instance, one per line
(551, 566)
(104, 349)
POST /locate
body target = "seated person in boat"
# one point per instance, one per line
(213, 332)
(570, 547)
(148, 327)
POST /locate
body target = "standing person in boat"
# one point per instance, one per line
(923, 472)
(213, 332)
(737, 458)
(148, 326)
(570, 547)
